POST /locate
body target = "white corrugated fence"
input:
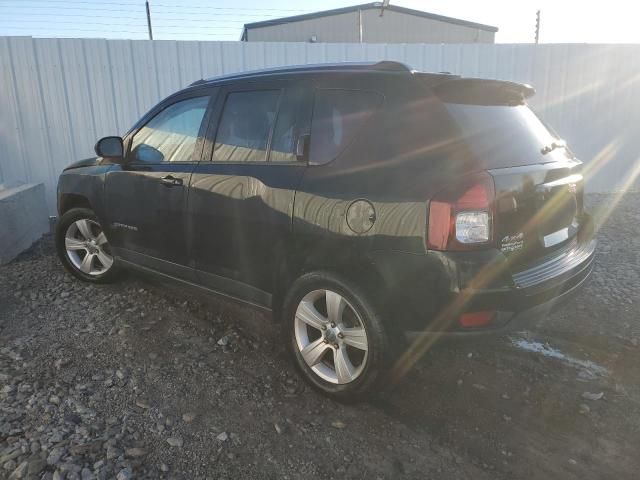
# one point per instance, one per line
(58, 96)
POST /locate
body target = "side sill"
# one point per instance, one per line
(135, 266)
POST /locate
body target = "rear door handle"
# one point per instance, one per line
(171, 181)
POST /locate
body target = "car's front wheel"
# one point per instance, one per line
(83, 248)
(335, 335)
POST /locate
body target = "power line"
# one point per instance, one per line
(165, 11)
(67, 29)
(154, 5)
(235, 8)
(211, 22)
(122, 24)
(155, 16)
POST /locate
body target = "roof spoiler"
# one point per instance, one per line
(480, 91)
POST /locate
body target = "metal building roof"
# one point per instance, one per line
(365, 6)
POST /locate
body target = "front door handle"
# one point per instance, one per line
(171, 181)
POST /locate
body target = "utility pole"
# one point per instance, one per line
(384, 5)
(537, 26)
(149, 20)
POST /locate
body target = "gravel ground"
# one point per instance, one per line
(137, 380)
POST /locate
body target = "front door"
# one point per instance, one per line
(146, 198)
(241, 201)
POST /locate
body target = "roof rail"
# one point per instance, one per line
(382, 66)
(391, 66)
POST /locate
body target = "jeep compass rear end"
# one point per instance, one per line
(363, 204)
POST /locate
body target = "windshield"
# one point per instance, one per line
(504, 136)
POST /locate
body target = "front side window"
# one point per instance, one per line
(172, 134)
(245, 126)
(338, 115)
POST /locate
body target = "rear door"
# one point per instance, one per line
(241, 199)
(146, 198)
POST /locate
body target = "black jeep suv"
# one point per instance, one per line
(363, 204)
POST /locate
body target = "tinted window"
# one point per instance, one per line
(171, 135)
(245, 126)
(337, 117)
(503, 136)
(291, 123)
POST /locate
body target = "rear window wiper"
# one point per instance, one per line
(556, 144)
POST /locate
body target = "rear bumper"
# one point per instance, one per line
(525, 295)
(516, 305)
(515, 308)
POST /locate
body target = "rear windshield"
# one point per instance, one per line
(503, 136)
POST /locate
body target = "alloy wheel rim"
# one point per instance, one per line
(87, 247)
(331, 337)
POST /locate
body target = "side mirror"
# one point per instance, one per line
(110, 148)
(302, 147)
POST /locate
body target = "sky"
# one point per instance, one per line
(562, 21)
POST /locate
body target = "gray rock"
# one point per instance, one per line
(113, 452)
(592, 396)
(188, 417)
(135, 452)
(87, 474)
(124, 474)
(10, 456)
(20, 471)
(55, 455)
(223, 437)
(36, 466)
(175, 441)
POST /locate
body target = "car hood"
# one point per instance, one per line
(87, 162)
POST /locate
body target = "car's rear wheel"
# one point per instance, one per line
(83, 247)
(336, 337)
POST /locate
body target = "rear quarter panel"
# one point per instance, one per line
(396, 163)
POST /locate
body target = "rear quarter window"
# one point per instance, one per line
(338, 116)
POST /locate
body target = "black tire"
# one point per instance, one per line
(63, 224)
(378, 353)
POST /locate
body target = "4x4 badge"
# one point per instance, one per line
(511, 243)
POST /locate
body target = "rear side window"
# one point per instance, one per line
(245, 126)
(293, 119)
(171, 135)
(338, 115)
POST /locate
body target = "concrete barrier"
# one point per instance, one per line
(23, 219)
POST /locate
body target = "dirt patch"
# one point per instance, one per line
(137, 380)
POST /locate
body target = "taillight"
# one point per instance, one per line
(461, 218)
(476, 319)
